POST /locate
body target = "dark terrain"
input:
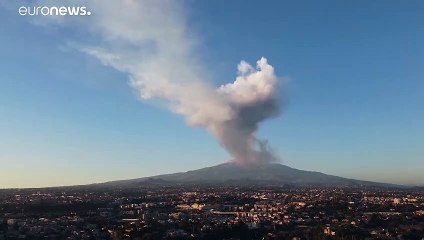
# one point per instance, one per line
(233, 174)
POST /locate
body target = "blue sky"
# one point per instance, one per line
(353, 103)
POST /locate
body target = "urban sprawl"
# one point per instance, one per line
(211, 212)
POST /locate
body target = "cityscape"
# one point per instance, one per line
(175, 211)
(211, 120)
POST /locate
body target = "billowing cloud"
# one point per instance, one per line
(149, 41)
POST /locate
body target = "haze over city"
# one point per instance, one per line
(170, 86)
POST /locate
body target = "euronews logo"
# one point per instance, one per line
(54, 11)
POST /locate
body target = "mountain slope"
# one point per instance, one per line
(268, 173)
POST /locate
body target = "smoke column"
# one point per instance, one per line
(252, 98)
(149, 41)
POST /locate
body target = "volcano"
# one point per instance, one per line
(234, 174)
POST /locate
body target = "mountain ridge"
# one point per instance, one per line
(231, 173)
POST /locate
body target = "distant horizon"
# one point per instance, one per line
(168, 86)
(227, 162)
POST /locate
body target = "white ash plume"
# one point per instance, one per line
(149, 41)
